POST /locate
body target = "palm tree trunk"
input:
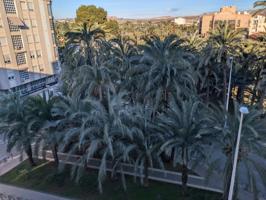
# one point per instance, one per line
(55, 154)
(146, 172)
(184, 179)
(28, 151)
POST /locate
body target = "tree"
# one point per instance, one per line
(90, 15)
(252, 150)
(169, 70)
(184, 134)
(261, 5)
(224, 41)
(44, 124)
(84, 42)
(111, 27)
(145, 140)
(15, 124)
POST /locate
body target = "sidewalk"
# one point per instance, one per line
(10, 192)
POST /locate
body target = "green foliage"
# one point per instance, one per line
(91, 15)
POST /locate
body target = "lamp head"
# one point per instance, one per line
(244, 110)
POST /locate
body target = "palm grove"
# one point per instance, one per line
(148, 105)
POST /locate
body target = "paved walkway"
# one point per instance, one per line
(14, 193)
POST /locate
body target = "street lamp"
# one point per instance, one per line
(231, 59)
(243, 110)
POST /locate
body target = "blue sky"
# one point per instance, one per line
(147, 8)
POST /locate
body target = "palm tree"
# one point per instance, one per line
(224, 41)
(44, 124)
(252, 148)
(145, 141)
(85, 41)
(261, 4)
(92, 81)
(98, 132)
(15, 124)
(169, 70)
(182, 125)
(124, 53)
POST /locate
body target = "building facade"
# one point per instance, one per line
(229, 14)
(28, 49)
(187, 21)
(258, 24)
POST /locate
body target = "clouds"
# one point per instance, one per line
(173, 10)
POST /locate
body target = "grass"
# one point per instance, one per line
(46, 178)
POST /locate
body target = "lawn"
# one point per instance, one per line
(46, 178)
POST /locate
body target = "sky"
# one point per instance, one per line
(147, 8)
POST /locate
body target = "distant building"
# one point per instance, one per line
(258, 24)
(229, 14)
(28, 51)
(187, 21)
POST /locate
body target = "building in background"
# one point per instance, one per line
(187, 21)
(28, 51)
(229, 14)
(258, 24)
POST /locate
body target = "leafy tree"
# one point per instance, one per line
(90, 15)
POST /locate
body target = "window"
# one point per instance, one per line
(11, 77)
(36, 38)
(41, 67)
(53, 38)
(56, 52)
(33, 23)
(39, 53)
(3, 41)
(30, 6)
(51, 24)
(23, 5)
(21, 58)
(32, 55)
(30, 38)
(238, 23)
(24, 75)
(17, 42)
(34, 68)
(10, 6)
(7, 59)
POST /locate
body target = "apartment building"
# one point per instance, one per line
(258, 24)
(28, 49)
(229, 14)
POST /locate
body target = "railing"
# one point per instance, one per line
(128, 169)
(34, 86)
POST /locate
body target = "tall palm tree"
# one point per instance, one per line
(169, 69)
(85, 41)
(184, 136)
(15, 124)
(224, 41)
(252, 148)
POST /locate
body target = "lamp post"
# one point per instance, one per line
(243, 110)
(231, 59)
